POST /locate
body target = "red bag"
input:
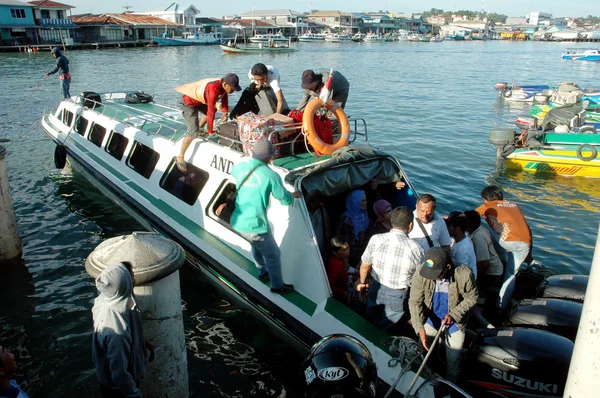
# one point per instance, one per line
(323, 126)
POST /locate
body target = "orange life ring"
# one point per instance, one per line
(309, 127)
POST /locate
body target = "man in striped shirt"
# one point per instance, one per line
(391, 259)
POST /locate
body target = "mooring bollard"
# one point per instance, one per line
(10, 242)
(156, 261)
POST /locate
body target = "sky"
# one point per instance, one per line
(512, 8)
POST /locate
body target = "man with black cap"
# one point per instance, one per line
(442, 293)
(202, 97)
(312, 84)
(62, 66)
(256, 182)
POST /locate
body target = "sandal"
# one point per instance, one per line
(181, 165)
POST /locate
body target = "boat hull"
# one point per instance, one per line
(184, 42)
(256, 50)
(553, 162)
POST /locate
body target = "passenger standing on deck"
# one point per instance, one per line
(391, 259)
(62, 66)
(489, 265)
(462, 248)
(118, 345)
(512, 233)
(202, 97)
(256, 182)
(442, 293)
(430, 229)
(8, 367)
(264, 86)
(312, 84)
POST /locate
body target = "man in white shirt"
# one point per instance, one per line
(391, 259)
(433, 224)
(264, 95)
(463, 252)
(267, 76)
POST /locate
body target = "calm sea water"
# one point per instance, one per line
(430, 104)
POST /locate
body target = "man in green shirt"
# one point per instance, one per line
(256, 182)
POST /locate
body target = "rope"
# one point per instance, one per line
(407, 351)
(24, 102)
(23, 134)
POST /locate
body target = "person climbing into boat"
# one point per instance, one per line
(337, 270)
(489, 265)
(391, 259)
(512, 232)
(202, 97)
(442, 293)
(354, 227)
(312, 84)
(430, 229)
(118, 344)
(383, 213)
(462, 250)
(62, 66)
(256, 182)
(264, 89)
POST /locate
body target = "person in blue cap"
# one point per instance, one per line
(62, 67)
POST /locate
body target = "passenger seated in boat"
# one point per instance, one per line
(312, 84)
(511, 231)
(225, 208)
(319, 217)
(263, 95)
(462, 248)
(354, 226)
(391, 259)
(202, 97)
(337, 270)
(383, 212)
(442, 293)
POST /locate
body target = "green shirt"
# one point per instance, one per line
(250, 214)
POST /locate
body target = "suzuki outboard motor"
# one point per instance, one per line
(518, 362)
(570, 287)
(554, 315)
(339, 366)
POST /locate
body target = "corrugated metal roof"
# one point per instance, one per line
(280, 12)
(332, 13)
(49, 4)
(204, 20)
(120, 19)
(14, 3)
(248, 22)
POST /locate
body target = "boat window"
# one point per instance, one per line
(186, 186)
(67, 117)
(82, 125)
(223, 203)
(116, 145)
(143, 159)
(97, 133)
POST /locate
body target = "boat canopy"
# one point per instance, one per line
(348, 168)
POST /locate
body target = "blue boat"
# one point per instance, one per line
(190, 39)
(582, 54)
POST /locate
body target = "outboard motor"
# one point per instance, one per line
(339, 366)
(554, 315)
(503, 140)
(569, 287)
(526, 123)
(518, 362)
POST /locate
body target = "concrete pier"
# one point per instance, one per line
(10, 242)
(583, 380)
(156, 261)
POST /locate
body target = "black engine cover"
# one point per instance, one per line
(571, 287)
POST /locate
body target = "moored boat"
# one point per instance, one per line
(581, 54)
(310, 37)
(257, 49)
(372, 38)
(269, 37)
(191, 39)
(337, 38)
(358, 37)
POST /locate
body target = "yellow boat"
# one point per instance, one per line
(554, 162)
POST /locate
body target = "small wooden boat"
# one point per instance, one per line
(241, 49)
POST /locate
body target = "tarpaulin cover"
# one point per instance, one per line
(560, 116)
(349, 168)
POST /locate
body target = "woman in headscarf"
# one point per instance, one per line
(383, 222)
(354, 227)
(118, 345)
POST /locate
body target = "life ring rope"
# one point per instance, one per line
(587, 147)
(309, 128)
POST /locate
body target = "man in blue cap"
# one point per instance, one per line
(256, 182)
(62, 66)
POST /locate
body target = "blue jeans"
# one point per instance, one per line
(267, 257)
(385, 306)
(516, 253)
(66, 84)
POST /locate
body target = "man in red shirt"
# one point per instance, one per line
(513, 234)
(202, 97)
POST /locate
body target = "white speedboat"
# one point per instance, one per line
(266, 38)
(358, 37)
(337, 38)
(310, 37)
(581, 54)
(190, 39)
(373, 38)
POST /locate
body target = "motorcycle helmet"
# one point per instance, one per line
(339, 366)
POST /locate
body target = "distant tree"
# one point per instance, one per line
(591, 20)
(493, 17)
